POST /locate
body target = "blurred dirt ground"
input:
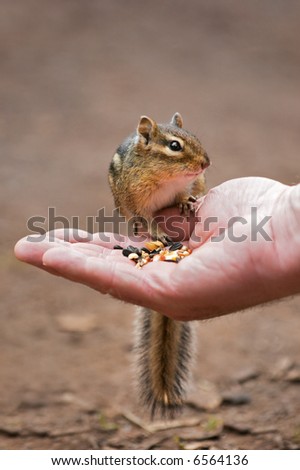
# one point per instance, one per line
(75, 77)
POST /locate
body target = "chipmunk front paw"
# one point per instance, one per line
(164, 238)
(187, 205)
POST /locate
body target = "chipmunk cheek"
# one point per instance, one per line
(206, 161)
(204, 165)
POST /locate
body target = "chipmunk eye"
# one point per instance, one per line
(175, 145)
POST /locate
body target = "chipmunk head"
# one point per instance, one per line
(170, 143)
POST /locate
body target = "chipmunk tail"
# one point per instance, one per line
(163, 351)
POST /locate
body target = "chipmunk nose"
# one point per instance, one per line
(206, 162)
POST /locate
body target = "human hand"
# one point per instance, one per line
(219, 277)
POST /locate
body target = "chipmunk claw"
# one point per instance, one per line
(165, 239)
(168, 239)
(186, 207)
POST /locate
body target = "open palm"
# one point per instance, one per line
(226, 271)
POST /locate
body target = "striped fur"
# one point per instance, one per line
(146, 175)
(163, 352)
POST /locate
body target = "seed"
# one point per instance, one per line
(133, 249)
(126, 252)
(133, 256)
(150, 245)
(158, 250)
(155, 251)
(118, 247)
(136, 250)
(172, 257)
(154, 245)
(175, 246)
(158, 243)
(141, 262)
(185, 253)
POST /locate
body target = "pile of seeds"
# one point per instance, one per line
(155, 251)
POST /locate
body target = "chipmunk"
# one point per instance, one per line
(158, 166)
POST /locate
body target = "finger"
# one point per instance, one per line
(31, 250)
(75, 236)
(109, 240)
(71, 235)
(100, 252)
(211, 215)
(104, 239)
(121, 280)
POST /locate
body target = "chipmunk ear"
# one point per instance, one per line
(177, 120)
(146, 127)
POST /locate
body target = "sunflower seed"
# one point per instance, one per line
(133, 249)
(156, 251)
(126, 252)
(176, 246)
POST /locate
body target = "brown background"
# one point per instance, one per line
(75, 77)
